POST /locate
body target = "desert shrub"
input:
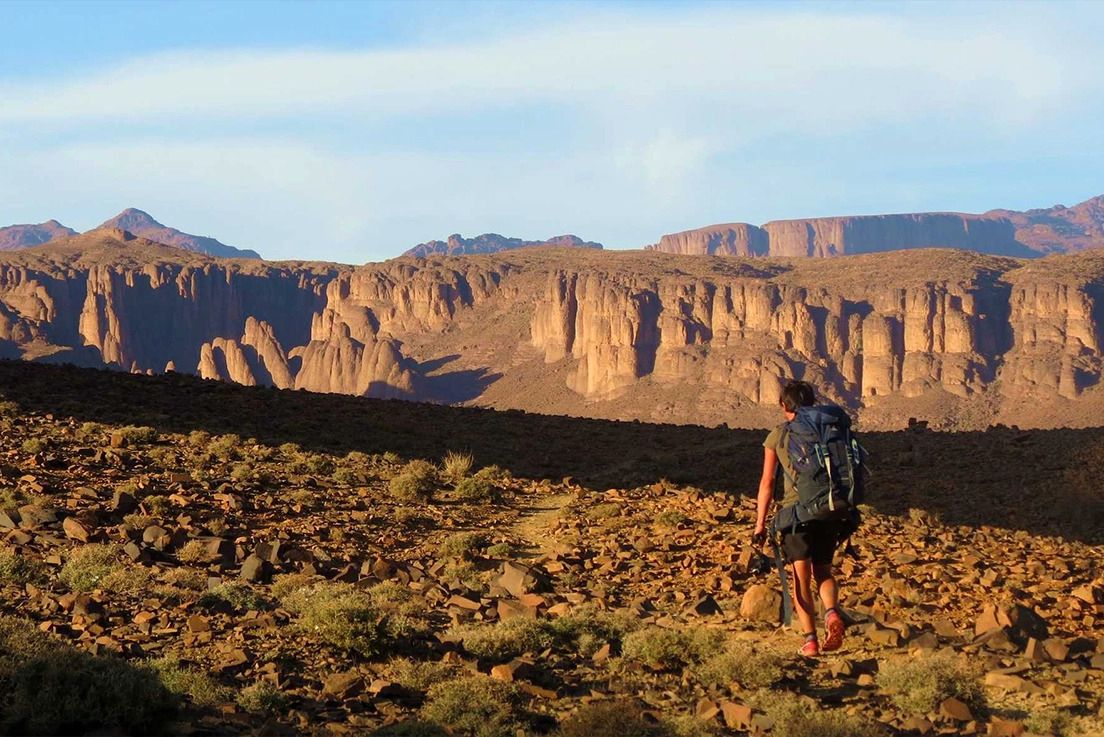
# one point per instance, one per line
(586, 629)
(456, 466)
(261, 697)
(500, 550)
(419, 675)
(507, 638)
(477, 706)
(462, 543)
(241, 472)
(742, 664)
(391, 457)
(346, 476)
(286, 584)
(199, 438)
(193, 552)
(87, 567)
(339, 615)
(137, 435)
(225, 447)
(390, 592)
(185, 578)
(300, 496)
(494, 474)
(670, 518)
(18, 569)
(157, 504)
(12, 499)
(128, 580)
(614, 718)
(138, 520)
(199, 687)
(290, 449)
(237, 594)
(672, 649)
(411, 728)
(464, 571)
(357, 457)
(319, 464)
(48, 688)
(90, 430)
(34, 445)
(9, 408)
(797, 717)
(415, 483)
(217, 526)
(474, 489)
(605, 511)
(921, 684)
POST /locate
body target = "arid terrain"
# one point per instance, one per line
(961, 340)
(192, 556)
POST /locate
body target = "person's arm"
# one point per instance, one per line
(766, 490)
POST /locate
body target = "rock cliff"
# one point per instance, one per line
(958, 338)
(999, 232)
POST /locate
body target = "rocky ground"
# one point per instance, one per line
(157, 578)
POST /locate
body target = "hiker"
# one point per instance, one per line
(821, 477)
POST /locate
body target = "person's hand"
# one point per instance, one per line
(759, 537)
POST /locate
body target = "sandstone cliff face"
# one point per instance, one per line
(734, 239)
(608, 334)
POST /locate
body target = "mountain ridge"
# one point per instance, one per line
(457, 245)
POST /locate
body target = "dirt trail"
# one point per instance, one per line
(537, 519)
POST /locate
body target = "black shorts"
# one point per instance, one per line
(816, 541)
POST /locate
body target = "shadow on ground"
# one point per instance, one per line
(1041, 482)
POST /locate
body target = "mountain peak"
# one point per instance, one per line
(142, 224)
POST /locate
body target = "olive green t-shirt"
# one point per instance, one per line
(776, 441)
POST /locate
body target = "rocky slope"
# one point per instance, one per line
(187, 557)
(1001, 232)
(956, 338)
(457, 245)
(14, 237)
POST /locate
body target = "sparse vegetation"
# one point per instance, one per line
(225, 447)
(415, 483)
(919, 685)
(200, 688)
(339, 615)
(262, 697)
(461, 544)
(506, 639)
(672, 649)
(670, 518)
(346, 476)
(88, 566)
(475, 705)
(421, 675)
(238, 595)
(473, 490)
(740, 663)
(48, 688)
(457, 466)
(802, 717)
(199, 438)
(18, 569)
(319, 465)
(614, 718)
(138, 435)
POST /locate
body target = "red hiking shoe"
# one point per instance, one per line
(811, 649)
(834, 626)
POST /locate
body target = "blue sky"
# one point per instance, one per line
(351, 131)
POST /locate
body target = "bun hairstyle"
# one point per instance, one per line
(797, 394)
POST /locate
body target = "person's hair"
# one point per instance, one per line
(797, 394)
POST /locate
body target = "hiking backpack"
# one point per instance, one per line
(829, 463)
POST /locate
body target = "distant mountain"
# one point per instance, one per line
(1056, 229)
(141, 224)
(15, 237)
(1059, 229)
(456, 245)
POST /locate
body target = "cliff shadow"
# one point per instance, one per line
(1043, 482)
(452, 387)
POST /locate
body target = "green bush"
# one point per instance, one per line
(34, 445)
(9, 408)
(613, 718)
(157, 505)
(138, 435)
(500, 550)
(241, 472)
(225, 447)
(261, 698)
(670, 518)
(319, 464)
(506, 639)
(238, 595)
(921, 684)
(472, 490)
(415, 483)
(18, 569)
(802, 717)
(346, 477)
(199, 687)
(740, 663)
(477, 705)
(340, 615)
(48, 688)
(462, 543)
(419, 675)
(586, 629)
(672, 649)
(87, 567)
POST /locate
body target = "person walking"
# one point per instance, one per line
(821, 466)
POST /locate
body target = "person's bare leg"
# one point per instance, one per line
(803, 597)
(829, 595)
(829, 591)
